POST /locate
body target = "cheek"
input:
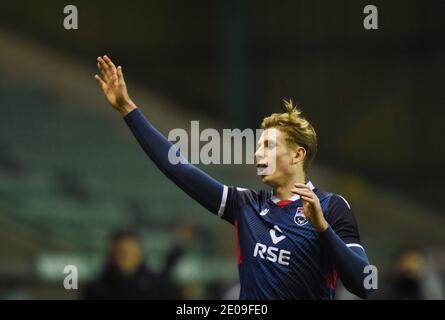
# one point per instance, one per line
(282, 164)
(284, 160)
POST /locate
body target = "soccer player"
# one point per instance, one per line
(291, 242)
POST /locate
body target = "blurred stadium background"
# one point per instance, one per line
(71, 172)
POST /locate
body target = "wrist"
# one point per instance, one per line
(322, 226)
(126, 107)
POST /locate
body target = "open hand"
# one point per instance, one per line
(113, 85)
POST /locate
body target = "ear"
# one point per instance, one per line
(299, 155)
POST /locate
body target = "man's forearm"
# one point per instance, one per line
(349, 264)
(197, 184)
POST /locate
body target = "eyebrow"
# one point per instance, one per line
(266, 141)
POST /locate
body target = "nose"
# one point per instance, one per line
(259, 154)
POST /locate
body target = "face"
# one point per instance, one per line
(127, 255)
(276, 160)
(410, 263)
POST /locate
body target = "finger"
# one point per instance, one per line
(114, 76)
(109, 62)
(301, 188)
(102, 63)
(302, 185)
(107, 67)
(102, 71)
(302, 192)
(111, 68)
(308, 200)
(101, 83)
(120, 75)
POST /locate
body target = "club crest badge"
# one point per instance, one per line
(300, 218)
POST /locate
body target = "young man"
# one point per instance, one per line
(291, 243)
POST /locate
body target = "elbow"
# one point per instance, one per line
(359, 290)
(363, 293)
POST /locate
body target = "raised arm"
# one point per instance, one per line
(197, 184)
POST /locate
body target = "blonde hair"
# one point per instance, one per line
(299, 132)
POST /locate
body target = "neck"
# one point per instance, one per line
(283, 192)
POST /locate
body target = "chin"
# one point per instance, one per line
(268, 180)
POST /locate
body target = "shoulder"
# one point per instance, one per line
(251, 194)
(337, 201)
(334, 205)
(338, 213)
(238, 197)
(332, 200)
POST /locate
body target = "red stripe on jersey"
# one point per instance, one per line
(331, 281)
(239, 258)
(283, 203)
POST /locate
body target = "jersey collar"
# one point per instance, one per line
(295, 197)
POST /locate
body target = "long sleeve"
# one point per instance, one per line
(197, 184)
(349, 262)
(342, 240)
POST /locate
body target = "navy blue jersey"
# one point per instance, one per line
(280, 254)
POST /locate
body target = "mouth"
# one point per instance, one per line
(261, 169)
